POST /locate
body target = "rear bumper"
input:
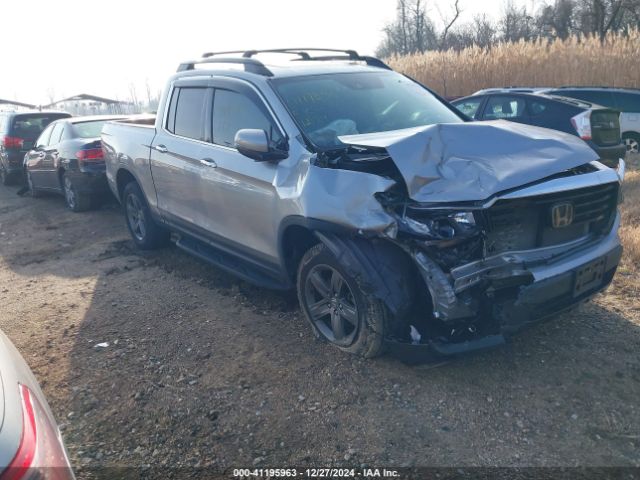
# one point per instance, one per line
(90, 183)
(509, 292)
(12, 162)
(610, 155)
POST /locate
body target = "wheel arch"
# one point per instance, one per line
(386, 270)
(123, 177)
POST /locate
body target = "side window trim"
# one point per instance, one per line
(235, 84)
(258, 102)
(170, 123)
(203, 111)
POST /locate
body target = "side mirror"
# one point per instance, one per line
(254, 143)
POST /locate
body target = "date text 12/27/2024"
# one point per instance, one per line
(315, 473)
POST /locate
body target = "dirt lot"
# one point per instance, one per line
(202, 369)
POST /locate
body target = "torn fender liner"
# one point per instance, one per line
(475, 160)
(381, 268)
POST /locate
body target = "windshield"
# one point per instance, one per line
(88, 129)
(328, 106)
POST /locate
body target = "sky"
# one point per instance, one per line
(55, 49)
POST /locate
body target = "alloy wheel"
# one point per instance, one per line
(331, 305)
(135, 217)
(633, 146)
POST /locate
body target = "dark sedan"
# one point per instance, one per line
(30, 443)
(596, 125)
(67, 159)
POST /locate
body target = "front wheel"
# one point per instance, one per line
(146, 233)
(337, 308)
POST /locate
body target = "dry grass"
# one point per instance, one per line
(630, 229)
(575, 61)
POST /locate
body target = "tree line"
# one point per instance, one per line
(414, 29)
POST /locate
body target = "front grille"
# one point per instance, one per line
(524, 224)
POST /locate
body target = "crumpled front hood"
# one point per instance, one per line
(475, 160)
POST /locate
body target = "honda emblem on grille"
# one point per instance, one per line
(561, 215)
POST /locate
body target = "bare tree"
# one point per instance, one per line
(556, 20)
(51, 94)
(516, 23)
(599, 17)
(449, 23)
(411, 32)
(133, 95)
(484, 31)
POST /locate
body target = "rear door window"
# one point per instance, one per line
(504, 107)
(190, 110)
(233, 111)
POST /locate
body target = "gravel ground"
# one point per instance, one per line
(205, 370)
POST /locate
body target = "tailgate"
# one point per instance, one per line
(605, 126)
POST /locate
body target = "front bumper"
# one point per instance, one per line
(514, 290)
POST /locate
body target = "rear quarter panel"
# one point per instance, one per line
(127, 146)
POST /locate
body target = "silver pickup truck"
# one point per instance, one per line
(399, 223)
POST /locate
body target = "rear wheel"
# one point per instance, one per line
(146, 233)
(337, 308)
(76, 201)
(632, 142)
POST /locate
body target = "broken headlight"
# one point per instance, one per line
(441, 226)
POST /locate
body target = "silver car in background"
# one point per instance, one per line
(30, 443)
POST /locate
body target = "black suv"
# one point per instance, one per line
(18, 132)
(598, 126)
(625, 100)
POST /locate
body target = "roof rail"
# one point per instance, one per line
(250, 64)
(303, 54)
(599, 86)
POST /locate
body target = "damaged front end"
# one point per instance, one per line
(494, 268)
(484, 269)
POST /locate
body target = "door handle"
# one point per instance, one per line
(208, 162)
(161, 148)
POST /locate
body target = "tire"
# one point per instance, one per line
(632, 142)
(363, 319)
(35, 193)
(146, 233)
(76, 201)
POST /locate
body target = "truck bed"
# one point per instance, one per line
(129, 142)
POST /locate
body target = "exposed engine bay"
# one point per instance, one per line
(465, 305)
